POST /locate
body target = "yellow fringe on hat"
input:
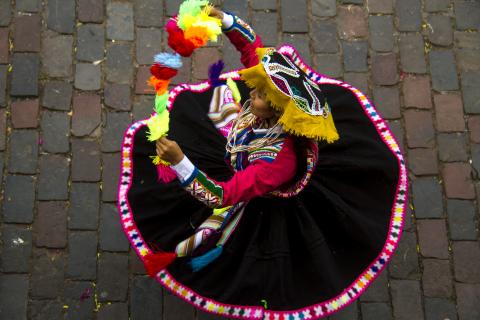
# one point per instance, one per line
(294, 120)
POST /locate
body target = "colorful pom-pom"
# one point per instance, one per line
(162, 73)
(177, 41)
(214, 72)
(190, 8)
(161, 102)
(171, 60)
(160, 85)
(165, 174)
(158, 126)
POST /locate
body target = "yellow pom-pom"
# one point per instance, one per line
(158, 125)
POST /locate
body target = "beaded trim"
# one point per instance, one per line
(316, 311)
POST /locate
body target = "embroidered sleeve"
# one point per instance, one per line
(258, 179)
(242, 36)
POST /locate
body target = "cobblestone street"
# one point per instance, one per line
(73, 77)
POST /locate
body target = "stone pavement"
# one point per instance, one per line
(73, 77)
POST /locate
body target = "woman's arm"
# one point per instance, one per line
(242, 36)
(259, 178)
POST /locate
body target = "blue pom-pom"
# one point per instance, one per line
(214, 72)
(171, 60)
(198, 263)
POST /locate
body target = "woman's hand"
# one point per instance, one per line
(216, 13)
(169, 151)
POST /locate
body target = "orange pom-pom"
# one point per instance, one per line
(198, 35)
(161, 86)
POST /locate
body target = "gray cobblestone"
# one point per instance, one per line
(57, 95)
(82, 256)
(16, 248)
(55, 132)
(406, 300)
(112, 282)
(412, 56)
(88, 76)
(53, 177)
(324, 8)
(80, 297)
(120, 21)
(119, 64)
(53, 64)
(25, 74)
(18, 201)
(440, 30)
(438, 308)
(461, 220)
(325, 36)
(61, 15)
(427, 198)
(381, 33)
(329, 65)
(14, 295)
(443, 70)
(355, 55)
(90, 42)
(47, 274)
(84, 206)
(294, 16)
(471, 94)
(408, 15)
(112, 237)
(146, 299)
(5, 12)
(149, 13)
(23, 151)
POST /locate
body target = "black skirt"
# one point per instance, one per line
(302, 257)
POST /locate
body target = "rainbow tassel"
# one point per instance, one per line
(198, 263)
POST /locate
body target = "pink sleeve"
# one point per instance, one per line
(258, 179)
(242, 36)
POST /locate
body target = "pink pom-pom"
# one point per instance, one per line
(165, 173)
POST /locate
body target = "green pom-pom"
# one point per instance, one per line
(161, 102)
(190, 7)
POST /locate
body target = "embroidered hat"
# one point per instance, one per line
(305, 110)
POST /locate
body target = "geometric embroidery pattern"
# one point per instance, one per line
(204, 189)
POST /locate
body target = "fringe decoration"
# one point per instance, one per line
(293, 120)
(162, 73)
(198, 263)
(214, 72)
(170, 60)
(155, 262)
(234, 88)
